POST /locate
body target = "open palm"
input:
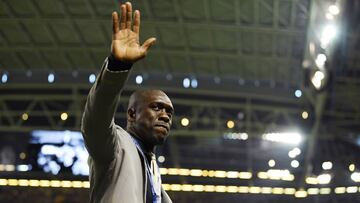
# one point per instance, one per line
(125, 40)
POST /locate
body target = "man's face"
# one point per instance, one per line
(153, 118)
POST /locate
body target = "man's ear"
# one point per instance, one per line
(131, 115)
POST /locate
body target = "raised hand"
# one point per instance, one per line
(125, 44)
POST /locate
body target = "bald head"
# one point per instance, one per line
(140, 96)
(149, 116)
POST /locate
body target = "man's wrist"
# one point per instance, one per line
(117, 65)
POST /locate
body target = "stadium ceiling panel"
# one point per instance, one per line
(252, 46)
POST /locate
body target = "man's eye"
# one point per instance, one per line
(156, 108)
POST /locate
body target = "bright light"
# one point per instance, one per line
(304, 114)
(262, 175)
(340, 190)
(325, 191)
(51, 78)
(185, 122)
(24, 116)
(352, 167)
(230, 124)
(294, 152)
(64, 116)
(186, 172)
(352, 189)
(277, 174)
(324, 178)
(300, 194)
(254, 190)
(186, 82)
(139, 79)
(289, 191)
(92, 78)
(333, 9)
(198, 188)
(266, 190)
(236, 136)
(277, 190)
(161, 159)
(245, 175)
(244, 136)
(328, 34)
(294, 163)
(220, 174)
(355, 176)
(271, 163)
(297, 151)
(23, 167)
(298, 93)
(320, 60)
(232, 174)
(4, 78)
(194, 83)
(313, 191)
(285, 137)
(327, 165)
(311, 180)
(317, 79)
(320, 75)
(198, 172)
(329, 16)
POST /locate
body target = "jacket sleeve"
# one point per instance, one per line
(97, 124)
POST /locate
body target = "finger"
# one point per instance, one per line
(148, 43)
(136, 26)
(115, 19)
(128, 15)
(123, 17)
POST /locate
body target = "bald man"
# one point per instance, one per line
(122, 163)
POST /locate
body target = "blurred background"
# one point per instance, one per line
(266, 96)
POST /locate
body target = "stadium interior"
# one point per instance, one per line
(266, 96)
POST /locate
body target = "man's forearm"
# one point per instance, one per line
(101, 104)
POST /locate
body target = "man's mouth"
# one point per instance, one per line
(163, 126)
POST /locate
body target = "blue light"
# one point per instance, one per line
(4, 78)
(54, 137)
(298, 93)
(92, 78)
(61, 148)
(51, 78)
(194, 83)
(139, 79)
(41, 160)
(23, 167)
(186, 82)
(54, 167)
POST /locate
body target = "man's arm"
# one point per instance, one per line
(98, 119)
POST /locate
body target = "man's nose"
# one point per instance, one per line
(164, 117)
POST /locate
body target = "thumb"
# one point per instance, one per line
(148, 43)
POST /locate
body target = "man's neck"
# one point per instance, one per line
(146, 147)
